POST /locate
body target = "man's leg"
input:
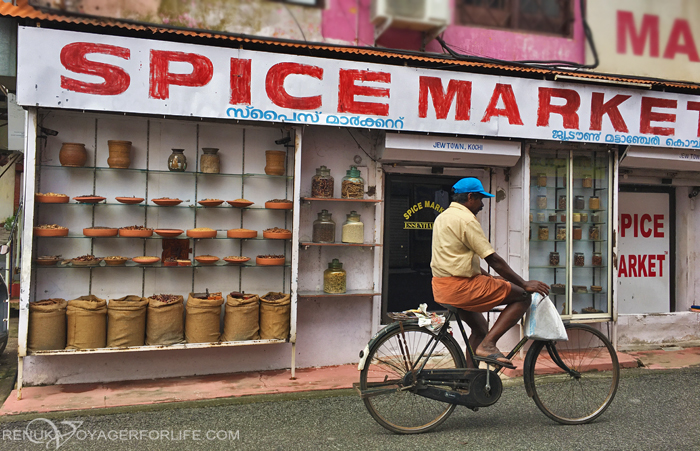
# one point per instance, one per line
(479, 328)
(517, 303)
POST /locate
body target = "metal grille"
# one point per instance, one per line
(542, 16)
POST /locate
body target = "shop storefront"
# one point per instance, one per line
(393, 138)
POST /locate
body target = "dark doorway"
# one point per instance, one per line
(412, 204)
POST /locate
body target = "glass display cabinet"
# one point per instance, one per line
(570, 225)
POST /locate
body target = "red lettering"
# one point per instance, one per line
(600, 108)
(632, 264)
(645, 218)
(649, 30)
(161, 78)
(625, 223)
(274, 86)
(661, 258)
(73, 58)
(636, 226)
(510, 106)
(622, 267)
(658, 226)
(240, 82)
(347, 90)
(567, 111)
(648, 116)
(442, 101)
(681, 29)
(695, 106)
(652, 266)
(642, 265)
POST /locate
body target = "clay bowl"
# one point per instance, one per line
(192, 233)
(269, 261)
(279, 205)
(239, 204)
(167, 263)
(100, 231)
(135, 233)
(129, 200)
(52, 199)
(115, 261)
(168, 233)
(242, 233)
(145, 260)
(166, 202)
(211, 202)
(184, 263)
(277, 235)
(50, 232)
(207, 259)
(89, 199)
(236, 260)
(96, 262)
(47, 260)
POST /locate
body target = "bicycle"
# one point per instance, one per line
(408, 373)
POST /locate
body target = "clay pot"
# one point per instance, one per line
(209, 162)
(119, 154)
(274, 160)
(177, 162)
(72, 155)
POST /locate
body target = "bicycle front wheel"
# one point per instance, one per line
(387, 369)
(582, 394)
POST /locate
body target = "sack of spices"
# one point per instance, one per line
(47, 325)
(126, 321)
(87, 323)
(242, 318)
(203, 317)
(275, 309)
(164, 321)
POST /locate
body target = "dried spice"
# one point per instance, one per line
(579, 259)
(274, 296)
(543, 234)
(52, 195)
(561, 233)
(166, 298)
(334, 282)
(554, 258)
(86, 258)
(597, 259)
(136, 227)
(51, 227)
(562, 202)
(323, 233)
(542, 202)
(352, 190)
(280, 201)
(277, 230)
(594, 233)
(577, 233)
(321, 188)
(594, 203)
(270, 256)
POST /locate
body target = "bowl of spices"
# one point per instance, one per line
(276, 233)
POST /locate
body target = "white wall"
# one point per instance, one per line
(7, 192)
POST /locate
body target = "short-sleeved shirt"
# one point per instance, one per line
(458, 243)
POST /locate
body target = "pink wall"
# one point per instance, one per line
(348, 21)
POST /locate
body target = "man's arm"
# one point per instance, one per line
(502, 268)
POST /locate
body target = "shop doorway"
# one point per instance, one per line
(412, 204)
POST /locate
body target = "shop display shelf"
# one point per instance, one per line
(156, 347)
(333, 199)
(349, 293)
(307, 244)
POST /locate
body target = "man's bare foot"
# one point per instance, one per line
(491, 352)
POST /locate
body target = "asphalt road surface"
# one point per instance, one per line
(653, 410)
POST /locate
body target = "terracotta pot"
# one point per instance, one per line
(209, 162)
(119, 154)
(274, 160)
(72, 155)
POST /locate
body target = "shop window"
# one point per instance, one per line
(540, 16)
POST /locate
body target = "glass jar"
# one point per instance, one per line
(576, 217)
(594, 203)
(579, 259)
(323, 228)
(577, 233)
(587, 181)
(543, 234)
(322, 183)
(561, 233)
(579, 203)
(562, 202)
(597, 259)
(542, 180)
(353, 229)
(209, 162)
(334, 278)
(552, 218)
(584, 217)
(542, 202)
(352, 186)
(177, 162)
(540, 217)
(562, 217)
(595, 218)
(594, 233)
(554, 259)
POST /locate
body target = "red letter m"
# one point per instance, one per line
(442, 101)
(649, 30)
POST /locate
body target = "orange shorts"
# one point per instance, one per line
(476, 294)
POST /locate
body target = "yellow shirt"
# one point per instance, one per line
(458, 242)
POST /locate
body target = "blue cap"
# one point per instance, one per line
(470, 185)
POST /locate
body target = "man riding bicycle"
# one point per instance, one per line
(459, 281)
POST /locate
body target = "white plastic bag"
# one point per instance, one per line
(542, 321)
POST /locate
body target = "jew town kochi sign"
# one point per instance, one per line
(62, 69)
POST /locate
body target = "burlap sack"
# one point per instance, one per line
(203, 319)
(274, 316)
(47, 325)
(164, 322)
(241, 321)
(126, 321)
(87, 323)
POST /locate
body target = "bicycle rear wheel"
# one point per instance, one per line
(582, 395)
(390, 358)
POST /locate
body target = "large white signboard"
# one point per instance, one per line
(643, 266)
(62, 69)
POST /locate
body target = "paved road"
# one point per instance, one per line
(653, 410)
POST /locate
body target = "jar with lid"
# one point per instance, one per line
(554, 259)
(587, 181)
(579, 259)
(322, 183)
(595, 218)
(576, 217)
(594, 233)
(562, 202)
(353, 229)
(561, 233)
(542, 180)
(584, 217)
(334, 278)
(352, 186)
(577, 233)
(543, 234)
(542, 202)
(579, 203)
(594, 203)
(540, 217)
(597, 259)
(323, 228)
